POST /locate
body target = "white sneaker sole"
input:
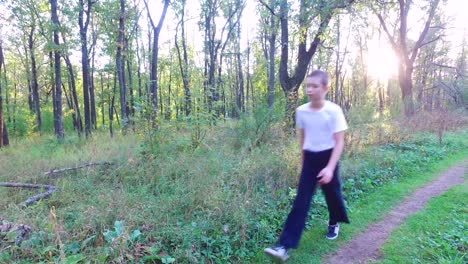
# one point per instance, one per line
(274, 254)
(337, 232)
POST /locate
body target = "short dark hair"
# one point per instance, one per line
(323, 75)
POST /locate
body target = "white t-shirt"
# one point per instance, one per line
(320, 125)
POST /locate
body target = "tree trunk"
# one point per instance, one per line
(111, 107)
(34, 82)
(102, 99)
(68, 99)
(140, 92)
(130, 86)
(120, 65)
(240, 76)
(92, 96)
(271, 61)
(3, 129)
(249, 99)
(337, 62)
(183, 62)
(154, 61)
(406, 86)
(73, 95)
(83, 24)
(28, 76)
(291, 84)
(58, 89)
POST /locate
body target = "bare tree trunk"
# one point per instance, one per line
(28, 75)
(4, 141)
(34, 82)
(130, 86)
(73, 95)
(140, 92)
(92, 89)
(70, 105)
(58, 89)
(406, 85)
(183, 62)
(271, 56)
(249, 99)
(154, 61)
(337, 63)
(240, 76)
(120, 65)
(112, 107)
(83, 24)
(102, 98)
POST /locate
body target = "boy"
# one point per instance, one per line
(321, 125)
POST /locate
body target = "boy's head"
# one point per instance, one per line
(317, 84)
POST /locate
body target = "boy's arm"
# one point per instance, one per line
(301, 144)
(337, 150)
(326, 175)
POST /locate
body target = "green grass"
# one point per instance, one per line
(218, 201)
(368, 209)
(437, 234)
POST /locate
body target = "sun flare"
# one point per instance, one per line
(382, 62)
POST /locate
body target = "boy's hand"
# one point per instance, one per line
(325, 176)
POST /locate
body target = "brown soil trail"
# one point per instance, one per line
(365, 246)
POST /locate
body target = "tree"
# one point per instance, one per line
(3, 129)
(402, 46)
(120, 65)
(324, 13)
(271, 31)
(154, 59)
(24, 13)
(83, 23)
(215, 44)
(58, 123)
(76, 114)
(183, 57)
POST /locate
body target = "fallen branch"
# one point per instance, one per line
(22, 231)
(56, 171)
(50, 189)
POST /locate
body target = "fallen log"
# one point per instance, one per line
(56, 171)
(49, 190)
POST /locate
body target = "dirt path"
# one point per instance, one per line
(365, 246)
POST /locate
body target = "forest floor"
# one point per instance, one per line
(168, 198)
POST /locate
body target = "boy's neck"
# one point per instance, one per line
(317, 104)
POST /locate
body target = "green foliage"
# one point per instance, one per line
(254, 129)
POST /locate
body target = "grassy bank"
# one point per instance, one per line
(437, 234)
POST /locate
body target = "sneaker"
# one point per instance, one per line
(333, 231)
(278, 252)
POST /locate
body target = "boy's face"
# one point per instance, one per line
(314, 88)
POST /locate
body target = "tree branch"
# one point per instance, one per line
(163, 15)
(268, 7)
(419, 42)
(49, 190)
(148, 12)
(384, 27)
(56, 171)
